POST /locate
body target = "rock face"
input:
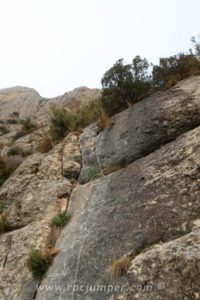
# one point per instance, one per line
(32, 196)
(169, 271)
(22, 103)
(15, 102)
(143, 128)
(146, 209)
(153, 200)
(77, 98)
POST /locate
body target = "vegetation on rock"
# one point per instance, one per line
(61, 122)
(61, 219)
(125, 84)
(37, 264)
(119, 267)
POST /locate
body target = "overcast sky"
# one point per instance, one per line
(57, 45)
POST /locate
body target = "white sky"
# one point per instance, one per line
(57, 45)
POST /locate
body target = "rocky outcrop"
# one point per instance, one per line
(22, 103)
(18, 102)
(143, 128)
(77, 98)
(166, 271)
(146, 209)
(153, 200)
(32, 196)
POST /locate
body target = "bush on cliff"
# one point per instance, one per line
(173, 69)
(61, 122)
(37, 264)
(125, 84)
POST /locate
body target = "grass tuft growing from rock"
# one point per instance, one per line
(38, 264)
(61, 219)
(119, 267)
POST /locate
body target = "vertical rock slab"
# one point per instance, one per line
(153, 200)
(144, 127)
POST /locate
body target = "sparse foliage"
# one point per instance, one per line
(118, 89)
(61, 219)
(37, 264)
(124, 84)
(173, 69)
(62, 122)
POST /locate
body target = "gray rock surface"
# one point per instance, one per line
(32, 196)
(143, 128)
(153, 200)
(166, 271)
(149, 209)
(21, 103)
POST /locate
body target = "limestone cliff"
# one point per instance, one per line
(143, 204)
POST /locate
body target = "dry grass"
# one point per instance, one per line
(118, 268)
(53, 236)
(43, 141)
(44, 144)
(111, 168)
(103, 122)
(51, 253)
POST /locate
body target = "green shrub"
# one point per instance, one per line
(173, 69)
(88, 114)
(61, 219)
(124, 84)
(37, 264)
(61, 122)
